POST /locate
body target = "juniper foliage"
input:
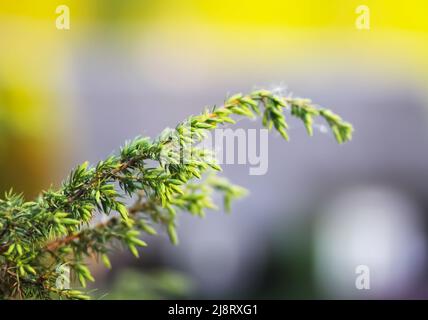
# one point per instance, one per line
(162, 176)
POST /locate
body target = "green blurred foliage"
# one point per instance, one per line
(160, 284)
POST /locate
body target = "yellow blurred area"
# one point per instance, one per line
(315, 14)
(276, 28)
(30, 58)
(34, 55)
(302, 29)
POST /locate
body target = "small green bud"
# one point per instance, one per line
(60, 215)
(30, 269)
(175, 181)
(69, 221)
(84, 166)
(229, 120)
(22, 271)
(74, 292)
(106, 261)
(149, 229)
(176, 189)
(172, 233)
(98, 196)
(203, 125)
(235, 97)
(132, 233)
(82, 280)
(215, 166)
(337, 134)
(65, 250)
(19, 249)
(123, 211)
(133, 249)
(138, 242)
(283, 133)
(10, 249)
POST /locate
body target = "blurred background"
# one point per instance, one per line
(127, 68)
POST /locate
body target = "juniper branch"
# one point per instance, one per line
(57, 228)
